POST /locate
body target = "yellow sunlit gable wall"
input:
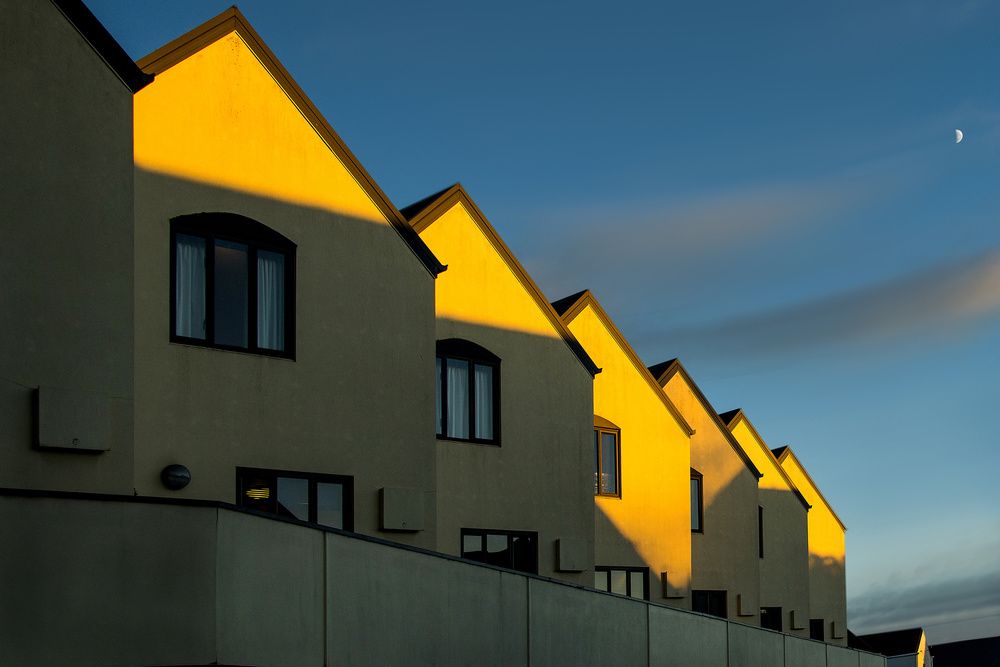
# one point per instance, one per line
(535, 478)
(771, 478)
(219, 117)
(650, 524)
(826, 537)
(724, 553)
(827, 575)
(784, 568)
(479, 287)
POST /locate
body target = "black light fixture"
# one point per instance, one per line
(175, 477)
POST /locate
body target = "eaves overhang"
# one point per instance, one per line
(731, 419)
(104, 44)
(663, 373)
(570, 307)
(428, 210)
(785, 453)
(232, 21)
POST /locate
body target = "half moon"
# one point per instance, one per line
(958, 136)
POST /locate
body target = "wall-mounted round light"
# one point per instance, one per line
(175, 477)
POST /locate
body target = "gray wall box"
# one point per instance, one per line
(402, 509)
(73, 419)
(571, 554)
(675, 584)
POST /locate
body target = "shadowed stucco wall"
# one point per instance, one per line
(65, 248)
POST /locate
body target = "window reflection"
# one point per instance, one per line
(293, 497)
(330, 504)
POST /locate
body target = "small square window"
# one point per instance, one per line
(512, 549)
(710, 602)
(630, 581)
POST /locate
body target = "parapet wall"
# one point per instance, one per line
(104, 580)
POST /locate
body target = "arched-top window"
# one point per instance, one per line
(232, 284)
(468, 392)
(607, 458)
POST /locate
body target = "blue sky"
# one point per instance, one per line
(771, 192)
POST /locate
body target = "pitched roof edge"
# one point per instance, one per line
(672, 367)
(739, 414)
(232, 20)
(106, 46)
(787, 453)
(571, 309)
(456, 194)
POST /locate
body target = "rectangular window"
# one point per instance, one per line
(630, 581)
(770, 618)
(512, 549)
(327, 500)
(232, 284)
(697, 508)
(760, 531)
(710, 602)
(607, 455)
(816, 629)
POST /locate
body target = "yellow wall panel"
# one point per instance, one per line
(219, 117)
(650, 524)
(479, 287)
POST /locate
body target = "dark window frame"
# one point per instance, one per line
(817, 629)
(628, 580)
(760, 531)
(770, 618)
(460, 349)
(531, 536)
(256, 236)
(705, 599)
(602, 425)
(700, 479)
(347, 481)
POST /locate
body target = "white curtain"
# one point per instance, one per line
(458, 398)
(484, 402)
(270, 300)
(189, 307)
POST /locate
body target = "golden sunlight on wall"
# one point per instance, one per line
(826, 536)
(479, 287)
(220, 117)
(652, 517)
(772, 479)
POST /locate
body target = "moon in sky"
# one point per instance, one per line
(958, 136)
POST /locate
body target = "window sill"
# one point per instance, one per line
(484, 443)
(214, 348)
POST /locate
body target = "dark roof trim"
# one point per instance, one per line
(232, 20)
(572, 306)
(663, 372)
(731, 419)
(104, 44)
(426, 211)
(783, 453)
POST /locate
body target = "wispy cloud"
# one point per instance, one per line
(625, 248)
(932, 605)
(942, 301)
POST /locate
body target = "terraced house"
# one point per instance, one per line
(253, 413)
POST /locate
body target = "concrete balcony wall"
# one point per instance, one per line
(107, 580)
